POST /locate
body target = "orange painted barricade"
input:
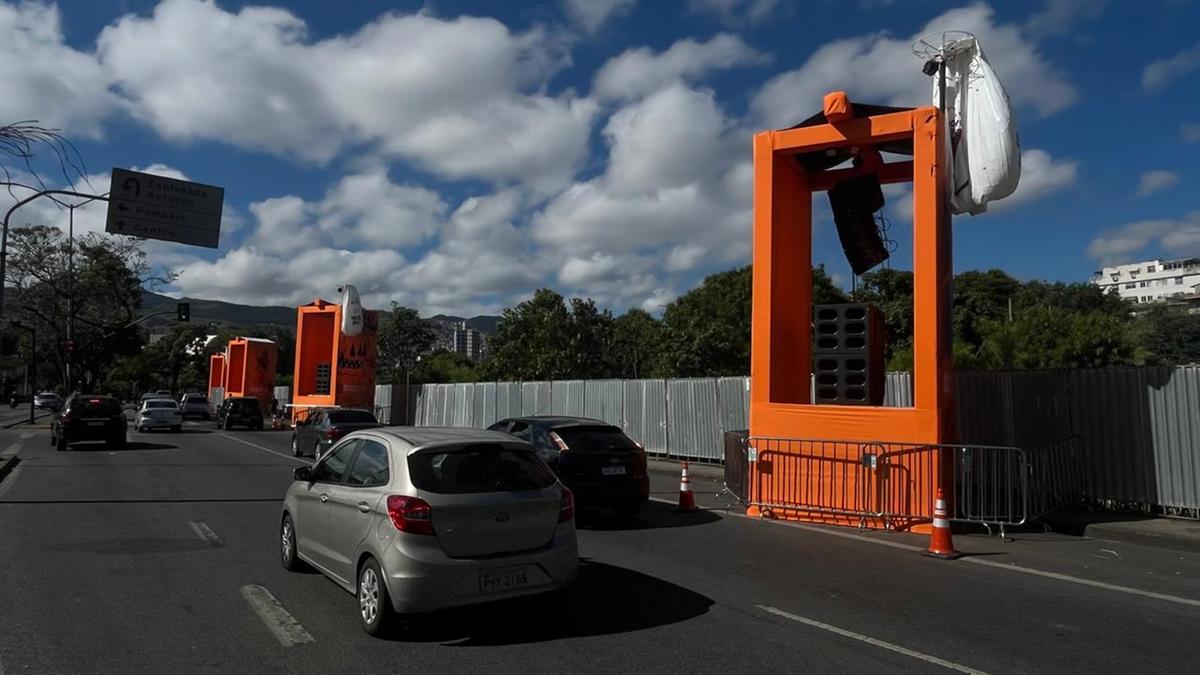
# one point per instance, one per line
(790, 165)
(216, 373)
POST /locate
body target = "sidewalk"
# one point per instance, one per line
(1166, 533)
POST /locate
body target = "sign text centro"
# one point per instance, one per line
(154, 207)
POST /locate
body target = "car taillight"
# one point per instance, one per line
(639, 466)
(559, 442)
(566, 506)
(410, 514)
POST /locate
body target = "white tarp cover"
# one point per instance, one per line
(352, 311)
(985, 146)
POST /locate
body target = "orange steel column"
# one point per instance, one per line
(781, 339)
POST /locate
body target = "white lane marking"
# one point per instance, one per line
(989, 563)
(14, 448)
(872, 641)
(1166, 597)
(205, 532)
(10, 479)
(283, 625)
(273, 452)
(25, 435)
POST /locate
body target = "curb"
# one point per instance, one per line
(7, 464)
(36, 419)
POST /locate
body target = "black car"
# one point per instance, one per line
(601, 465)
(240, 411)
(89, 418)
(322, 428)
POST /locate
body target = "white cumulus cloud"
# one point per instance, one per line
(1156, 181)
(1174, 237)
(640, 71)
(1158, 74)
(591, 15)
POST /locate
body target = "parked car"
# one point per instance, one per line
(194, 405)
(422, 519)
(165, 393)
(601, 465)
(152, 396)
(47, 400)
(159, 413)
(240, 411)
(89, 418)
(322, 428)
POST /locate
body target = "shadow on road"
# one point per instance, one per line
(608, 600)
(653, 516)
(131, 445)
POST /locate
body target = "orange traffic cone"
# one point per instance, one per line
(687, 501)
(940, 543)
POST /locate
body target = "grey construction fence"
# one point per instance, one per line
(1139, 427)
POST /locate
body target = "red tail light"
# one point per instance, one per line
(639, 466)
(331, 434)
(558, 442)
(410, 514)
(566, 507)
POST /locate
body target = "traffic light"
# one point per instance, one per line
(70, 345)
(183, 311)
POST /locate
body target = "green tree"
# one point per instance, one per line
(529, 342)
(102, 298)
(636, 346)
(824, 291)
(707, 330)
(445, 366)
(1170, 335)
(403, 336)
(980, 296)
(589, 340)
(1050, 337)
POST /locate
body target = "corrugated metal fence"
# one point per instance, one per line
(1140, 427)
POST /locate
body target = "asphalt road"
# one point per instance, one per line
(139, 561)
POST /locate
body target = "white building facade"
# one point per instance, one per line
(1152, 280)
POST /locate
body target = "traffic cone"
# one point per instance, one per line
(687, 501)
(940, 543)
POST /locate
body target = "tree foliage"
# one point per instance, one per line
(707, 330)
(403, 336)
(109, 275)
(636, 347)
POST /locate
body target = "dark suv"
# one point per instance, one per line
(240, 411)
(601, 465)
(89, 418)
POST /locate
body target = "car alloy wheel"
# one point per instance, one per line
(368, 595)
(295, 447)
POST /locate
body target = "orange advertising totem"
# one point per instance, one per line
(216, 372)
(333, 369)
(250, 369)
(819, 461)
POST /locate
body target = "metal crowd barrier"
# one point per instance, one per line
(894, 483)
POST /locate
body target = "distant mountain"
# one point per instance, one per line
(216, 311)
(483, 323)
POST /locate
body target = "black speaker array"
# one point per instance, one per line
(848, 348)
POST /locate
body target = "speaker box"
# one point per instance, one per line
(848, 354)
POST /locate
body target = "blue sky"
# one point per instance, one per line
(454, 156)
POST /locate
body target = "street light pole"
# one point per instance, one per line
(31, 364)
(70, 296)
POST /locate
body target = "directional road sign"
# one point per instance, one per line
(144, 205)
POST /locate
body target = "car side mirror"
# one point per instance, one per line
(302, 473)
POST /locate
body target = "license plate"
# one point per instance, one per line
(612, 470)
(498, 581)
(95, 423)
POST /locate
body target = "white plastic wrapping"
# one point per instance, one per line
(985, 145)
(352, 311)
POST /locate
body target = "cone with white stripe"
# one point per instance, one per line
(687, 501)
(940, 543)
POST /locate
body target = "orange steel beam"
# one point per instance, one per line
(878, 129)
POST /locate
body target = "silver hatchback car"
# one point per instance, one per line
(422, 519)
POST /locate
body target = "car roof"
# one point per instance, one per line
(422, 437)
(559, 421)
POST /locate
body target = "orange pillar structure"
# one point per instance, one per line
(216, 372)
(333, 369)
(250, 365)
(826, 470)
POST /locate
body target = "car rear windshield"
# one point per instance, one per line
(352, 417)
(598, 438)
(478, 468)
(195, 399)
(89, 406)
(244, 404)
(160, 403)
